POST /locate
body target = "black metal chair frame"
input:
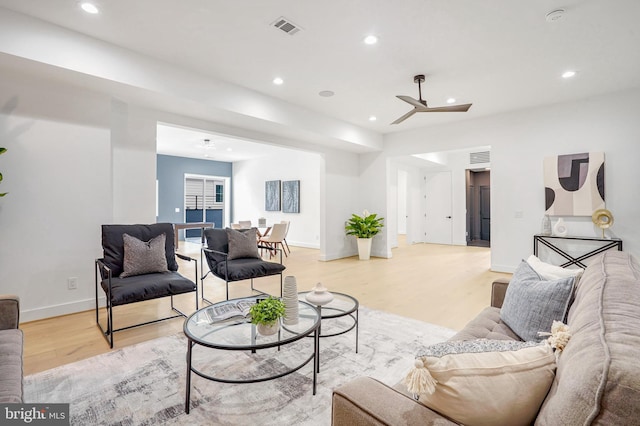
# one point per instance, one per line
(104, 272)
(204, 275)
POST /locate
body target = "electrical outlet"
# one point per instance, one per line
(72, 283)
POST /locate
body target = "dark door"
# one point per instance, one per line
(485, 213)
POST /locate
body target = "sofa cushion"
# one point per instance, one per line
(11, 366)
(143, 257)
(484, 382)
(486, 325)
(532, 303)
(598, 374)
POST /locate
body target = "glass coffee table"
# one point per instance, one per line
(341, 306)
(240, 335)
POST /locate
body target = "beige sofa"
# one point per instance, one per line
(597, 378)
(10, 350)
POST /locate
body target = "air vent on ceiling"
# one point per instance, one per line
(286, 25)
(480, 157)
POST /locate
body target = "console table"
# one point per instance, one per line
(191, 225)
(550, 241)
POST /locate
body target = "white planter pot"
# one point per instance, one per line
(268, 329)
(364, 248)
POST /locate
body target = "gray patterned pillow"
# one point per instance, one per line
(142, 257)
(242, 244)
(532, 303)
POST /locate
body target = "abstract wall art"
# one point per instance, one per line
(291, 196)
(574, 184)
(272, 195)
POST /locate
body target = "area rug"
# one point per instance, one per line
(144, 384)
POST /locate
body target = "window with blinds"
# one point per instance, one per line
(203, 194)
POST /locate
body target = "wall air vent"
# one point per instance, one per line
(480, 157)
(286, 25)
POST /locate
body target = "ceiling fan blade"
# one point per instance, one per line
(451, 108)
(410, 100)
(404, 117)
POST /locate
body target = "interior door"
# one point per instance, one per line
(485, 213)
(438, 220)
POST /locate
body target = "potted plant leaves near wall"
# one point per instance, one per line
(2, 151)
(364, 228)
(266, 315)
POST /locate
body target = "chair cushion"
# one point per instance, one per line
(146, 287)
(532, 303)
(143, 257)
(242, 244)
(11, 366)
(113, 243)
(242, 269)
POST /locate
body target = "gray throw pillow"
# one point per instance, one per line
(142, 257)
(242, 244)
(531, 303)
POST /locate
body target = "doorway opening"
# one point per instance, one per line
(479, 208)
(205, 200)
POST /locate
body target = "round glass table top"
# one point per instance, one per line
(237, 333)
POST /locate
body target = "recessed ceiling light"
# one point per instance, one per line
(370, 39)
(89, 8)
(278, 81)
(326, 93)
(568, 74)
(555, 16)
(372, 118)
(229, 149)
(451, 100)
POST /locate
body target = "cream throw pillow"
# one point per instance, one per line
(484, 382)
(553, 272)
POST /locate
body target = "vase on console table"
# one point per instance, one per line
(560, 228)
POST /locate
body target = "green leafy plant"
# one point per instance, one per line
(365, 226)
(267, 311)
(2, 151)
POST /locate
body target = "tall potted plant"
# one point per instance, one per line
(2, 151)
(364, 228)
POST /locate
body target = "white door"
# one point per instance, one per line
(438, 220)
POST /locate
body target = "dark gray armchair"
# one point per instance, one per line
(232, 265)
(139, 263)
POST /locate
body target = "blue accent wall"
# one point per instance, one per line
(170, 173)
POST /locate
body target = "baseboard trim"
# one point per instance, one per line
(57, 310)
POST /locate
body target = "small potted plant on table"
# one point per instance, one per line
(266, 314)
(364, 228)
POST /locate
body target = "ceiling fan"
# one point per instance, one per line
(420, 105)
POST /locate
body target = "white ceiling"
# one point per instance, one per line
(501, 55)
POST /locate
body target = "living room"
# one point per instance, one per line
(80, 132)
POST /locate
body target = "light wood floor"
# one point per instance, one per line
(445, 285)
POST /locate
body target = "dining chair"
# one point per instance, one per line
(275, 237)
(284, 240)
(245, 224)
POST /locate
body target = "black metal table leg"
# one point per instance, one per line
(188, 390)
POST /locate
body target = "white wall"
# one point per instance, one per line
(249, 188)
(519, 142)
(57, 171)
